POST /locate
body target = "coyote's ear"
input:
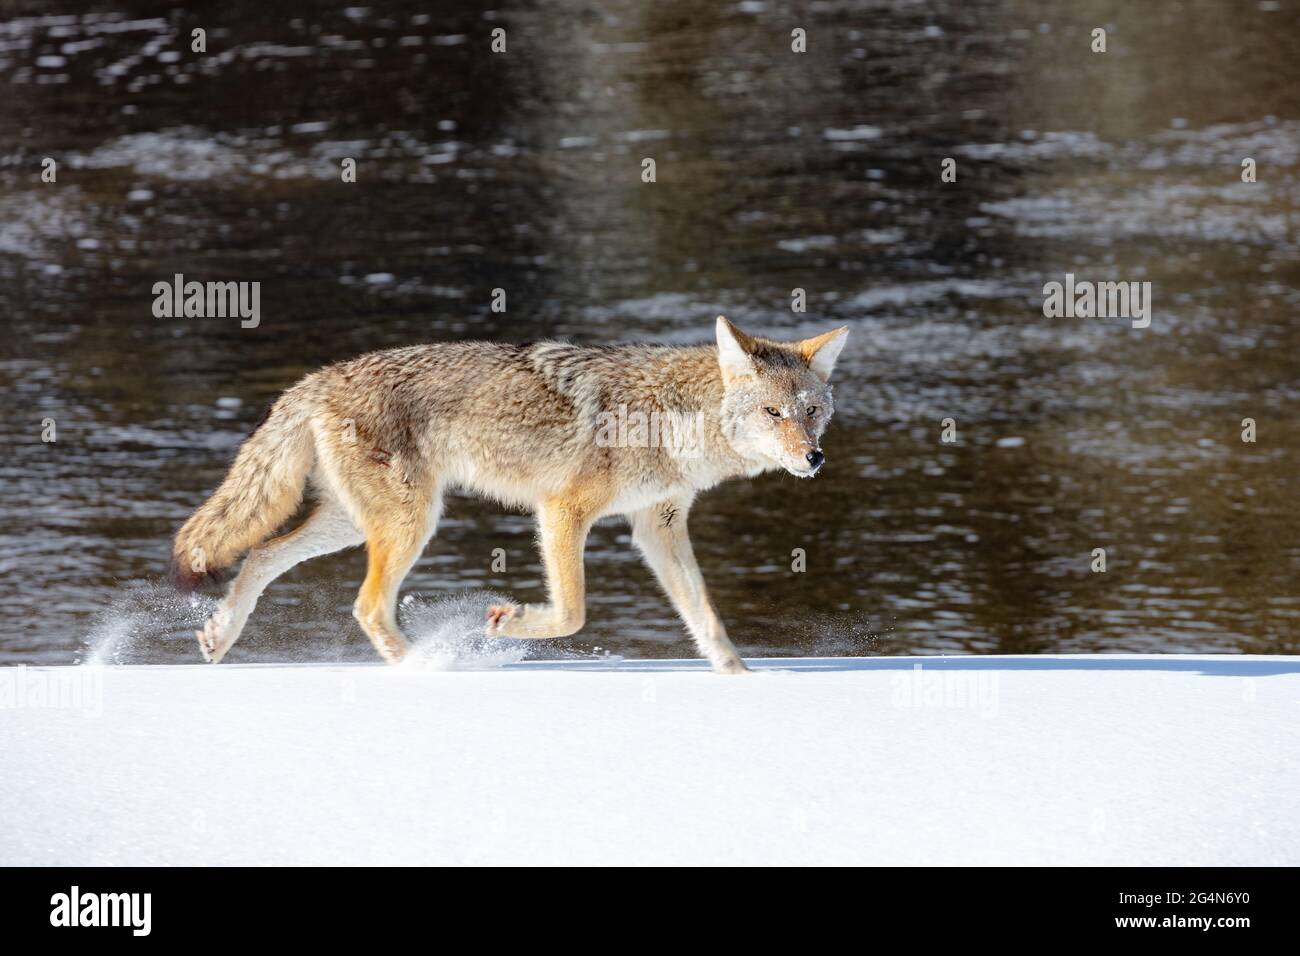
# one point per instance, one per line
(734, 348)
(821, 352)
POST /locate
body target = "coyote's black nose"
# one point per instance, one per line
(815, 458)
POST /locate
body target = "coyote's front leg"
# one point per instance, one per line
(562, 531)
(660, 532)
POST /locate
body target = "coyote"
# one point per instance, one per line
(382, 436)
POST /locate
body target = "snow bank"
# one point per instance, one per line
(1002, 760)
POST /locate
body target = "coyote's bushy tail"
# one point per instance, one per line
(260, 492)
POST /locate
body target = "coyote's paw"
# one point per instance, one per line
(215, 638)
(730, 665)
(497, 616)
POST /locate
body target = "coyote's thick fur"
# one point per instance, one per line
(540, 426)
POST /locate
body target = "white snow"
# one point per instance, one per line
(970, 760)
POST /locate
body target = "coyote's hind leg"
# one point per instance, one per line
(376, 606)
(328, 529)
(393, 547)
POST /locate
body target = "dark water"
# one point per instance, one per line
(775, 170)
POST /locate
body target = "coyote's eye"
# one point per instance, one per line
(772, 411)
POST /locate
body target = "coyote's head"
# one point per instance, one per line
(777, 396)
